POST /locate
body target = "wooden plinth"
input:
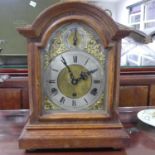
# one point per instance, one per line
(50, 138)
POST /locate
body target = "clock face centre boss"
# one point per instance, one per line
(73, 70)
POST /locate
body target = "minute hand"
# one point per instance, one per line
(84, 75)
(68, 68)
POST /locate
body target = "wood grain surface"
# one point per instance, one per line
(142, 139)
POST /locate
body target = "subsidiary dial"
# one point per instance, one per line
(75, 36)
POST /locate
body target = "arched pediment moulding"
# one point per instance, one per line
(52, 17)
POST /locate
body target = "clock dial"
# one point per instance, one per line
(73, 70)
(73, 85)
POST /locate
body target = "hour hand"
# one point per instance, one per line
(75, 38)
(92, 71)
(84, 75)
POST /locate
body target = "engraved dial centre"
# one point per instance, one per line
(77, 88)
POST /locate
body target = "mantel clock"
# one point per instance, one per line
(73, 64)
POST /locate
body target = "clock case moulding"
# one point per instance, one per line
(76, 131)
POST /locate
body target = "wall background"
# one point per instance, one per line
(122, 11)
(118, 8)
(17, 13)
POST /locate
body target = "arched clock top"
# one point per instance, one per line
(61, 13)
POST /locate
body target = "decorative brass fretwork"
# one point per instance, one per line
(58, 46)
(98, 105)
(94, 49)
(49, 105)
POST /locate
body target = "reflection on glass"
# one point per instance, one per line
(149, 10)
(137, 54)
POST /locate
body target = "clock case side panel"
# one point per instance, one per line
(34, 80)
(111, 82)
(117, 74)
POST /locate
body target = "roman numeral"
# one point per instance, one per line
(54, 91)
(73, 103)
(62, 100)
(93, 91)
(75, 59)
(86, 61)
(55, 70)
(85, 100)
(52, 81)
(96, 81)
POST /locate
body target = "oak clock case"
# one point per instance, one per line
(73, 64)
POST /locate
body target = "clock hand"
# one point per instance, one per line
(73, 80)
(68, 68)
(75, 37)
(92, 71)
(84, 75)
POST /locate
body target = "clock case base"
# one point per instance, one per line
(39, 137)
